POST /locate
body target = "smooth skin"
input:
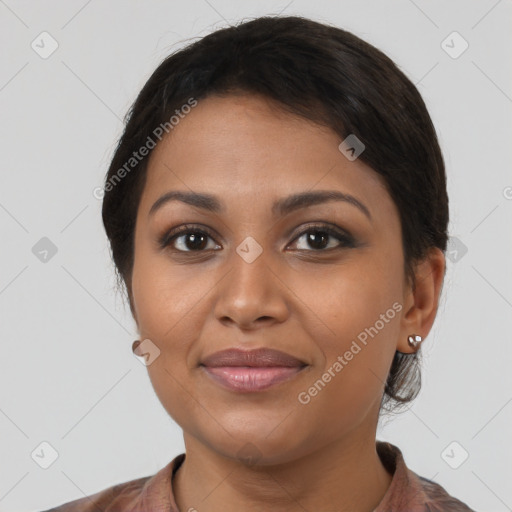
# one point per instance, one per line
(308, 294)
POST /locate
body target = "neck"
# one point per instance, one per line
(345, 475)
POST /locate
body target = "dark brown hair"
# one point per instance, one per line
(321, 73)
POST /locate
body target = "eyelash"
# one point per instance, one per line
(347, 241)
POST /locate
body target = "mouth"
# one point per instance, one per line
(251, 370)
(251, 379)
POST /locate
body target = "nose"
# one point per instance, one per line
(251, 294)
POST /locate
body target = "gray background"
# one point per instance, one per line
(67, 373)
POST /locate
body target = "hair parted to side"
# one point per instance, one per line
(321, 73)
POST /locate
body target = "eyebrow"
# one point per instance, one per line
(281, 207)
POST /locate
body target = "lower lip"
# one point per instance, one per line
(249, 379)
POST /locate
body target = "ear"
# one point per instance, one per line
(420, 304)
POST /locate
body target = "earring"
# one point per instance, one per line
(414, 340)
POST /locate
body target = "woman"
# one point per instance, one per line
(277, 211)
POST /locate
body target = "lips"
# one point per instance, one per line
(260, 358)
(249, 371)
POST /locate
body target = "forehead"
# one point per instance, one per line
(246, 150)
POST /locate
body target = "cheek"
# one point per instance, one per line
(170, 313)
(160, 299)
(360, 312)
(351, 380)
(345, 303)
(172, 386)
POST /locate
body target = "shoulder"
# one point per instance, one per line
(149, 493)
(410, 492)
(438, 500)
(117, 497)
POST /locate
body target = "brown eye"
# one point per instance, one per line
(324, 237)
(193, 241)
(188, 239)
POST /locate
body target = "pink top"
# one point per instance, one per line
(408, 492)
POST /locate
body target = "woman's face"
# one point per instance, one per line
(268, 277)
